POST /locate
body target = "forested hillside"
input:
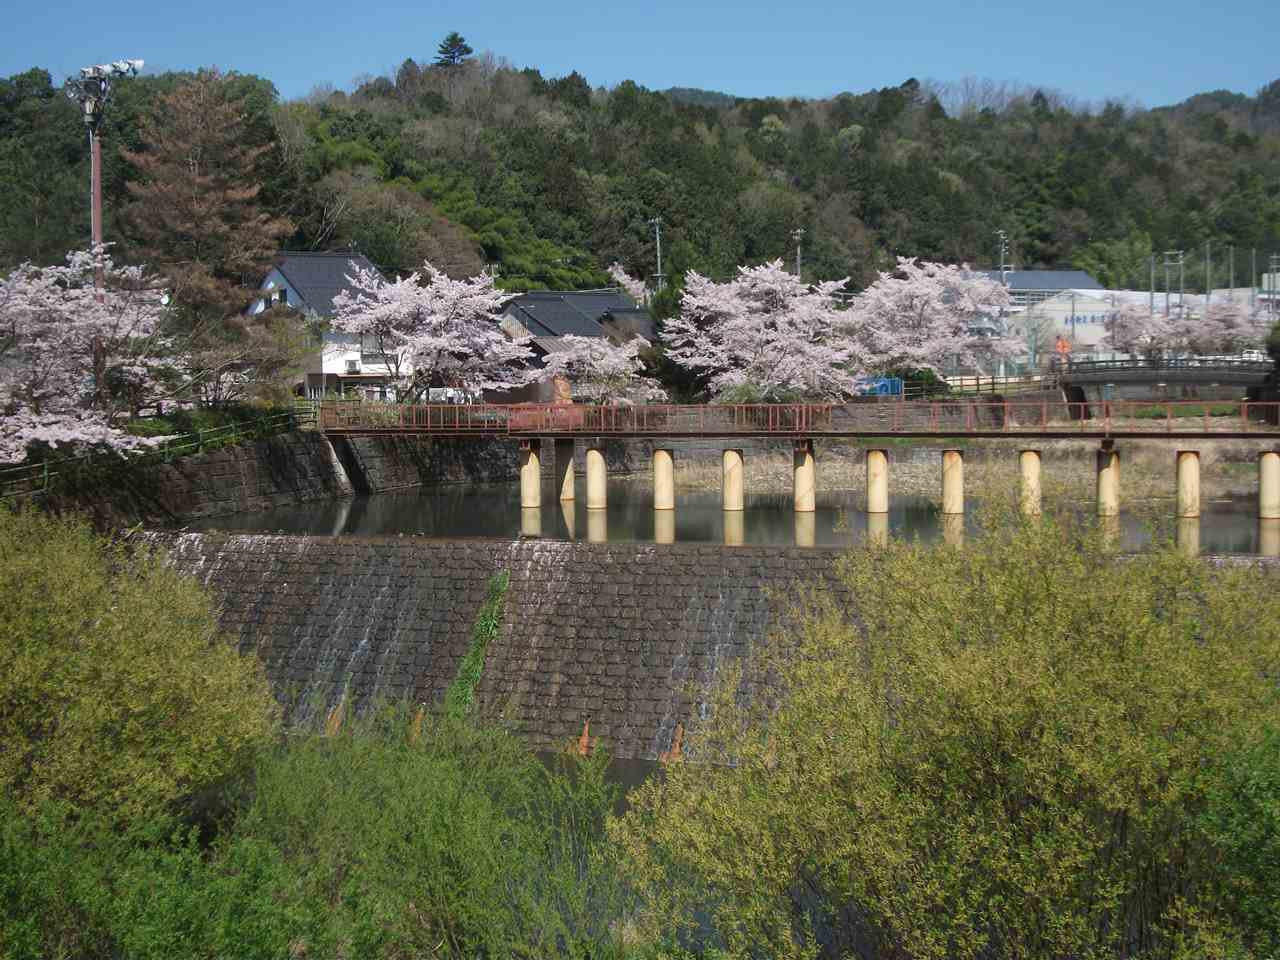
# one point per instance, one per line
(550, 180)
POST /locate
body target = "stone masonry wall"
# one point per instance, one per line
(289, 468)
(623, 635)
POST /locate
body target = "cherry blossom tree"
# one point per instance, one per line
(1225, 327)
(634, 288)
(74, 359)
(766, 336)
(603, 371)
(441, 332)
(924, 316)
(1134, 329)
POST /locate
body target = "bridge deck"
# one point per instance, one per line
(920, 419)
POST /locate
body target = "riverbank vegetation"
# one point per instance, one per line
(1025, 748)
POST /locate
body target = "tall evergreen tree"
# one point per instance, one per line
(197, 219)
(453, 50)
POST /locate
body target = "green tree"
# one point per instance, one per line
(1003, 750)
(453, 51)
(118, 694)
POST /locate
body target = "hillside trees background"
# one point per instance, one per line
(546, 181)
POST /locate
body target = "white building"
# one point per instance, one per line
(308, 282)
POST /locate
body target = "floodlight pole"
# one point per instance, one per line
(92, 90)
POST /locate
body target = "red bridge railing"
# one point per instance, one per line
(1133, 418)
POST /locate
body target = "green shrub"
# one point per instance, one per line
(1243, 819)
(451, 841)
(1004, 752)
(117, 694)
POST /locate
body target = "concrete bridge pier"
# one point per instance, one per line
(564, 469)
(877, 481)
(597, 526)
(804, 478)
(953, 482)
(531, 522)
(731, 480)
(1188, 535)
(735, 528)
(597, 479)
(1269, 485)
(806, 529)
(878, 529)
(1108, 486)
(664, 480)
(1029, 491)
(1189, 488)
(664, 526)
(530, 474)
(1269, 537)
(953, 529)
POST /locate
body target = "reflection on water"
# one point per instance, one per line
(493, 510)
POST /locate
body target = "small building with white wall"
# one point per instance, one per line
(308, 281)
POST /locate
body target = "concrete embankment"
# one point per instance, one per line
(627, 636)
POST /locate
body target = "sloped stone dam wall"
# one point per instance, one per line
(623, 635)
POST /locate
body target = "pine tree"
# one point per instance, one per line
(196, 217)
(195, 214)
(453, 51)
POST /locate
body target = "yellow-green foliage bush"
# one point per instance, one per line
(1007, 750)
(116, 691)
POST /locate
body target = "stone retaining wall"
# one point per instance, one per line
(623, 635)
(289, 468)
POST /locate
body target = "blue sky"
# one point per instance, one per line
(1148, 52)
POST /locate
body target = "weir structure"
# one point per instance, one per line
(1106, 422)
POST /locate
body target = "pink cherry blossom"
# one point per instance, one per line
(431, 330)
(73, 359)
(603, 371)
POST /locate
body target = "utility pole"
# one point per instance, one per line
(657, 234)
(1231, 260)
(1004, 264)
(1208, 275)
(1172, 258)
(797, 235)
(1153, 285)
(1253, 277)
(1275, 283)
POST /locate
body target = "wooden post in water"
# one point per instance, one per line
(877, 481)
(1189, 486)
(731, 480)
(1029, 493)
(804, 478)
(530, 474)
(953, 482)
(597, 479)
(664, 480)
(564, 470)
(1269, 485)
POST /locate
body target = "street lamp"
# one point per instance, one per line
(92, 89)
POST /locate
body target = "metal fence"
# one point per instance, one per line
(950, 417)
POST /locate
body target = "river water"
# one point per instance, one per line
(493, 511)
